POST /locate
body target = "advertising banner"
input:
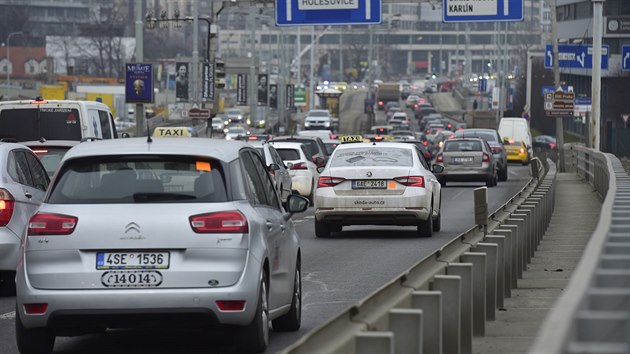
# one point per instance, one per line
(207, 90)
(181, 82)
(241, 89)
(263, 89)
(138, 83)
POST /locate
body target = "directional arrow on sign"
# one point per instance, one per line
(581, 61)
(625, 57)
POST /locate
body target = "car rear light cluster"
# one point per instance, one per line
(522, 151)
(411, 181)
(223, 222)
(299, 166)
(7, 204)
(35, 309)
(439, 158)
(326, 181)
(496, 149)
(486, 157)
(552, 145)
(51, 224)
(230, 305)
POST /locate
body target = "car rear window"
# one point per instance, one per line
(487, 136)
(50, 157)
(139, 179)
(311, 145)
(463, 145)
(378, 156)
(27, 124)
(288, 154)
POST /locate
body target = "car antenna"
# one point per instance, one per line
(149, 140)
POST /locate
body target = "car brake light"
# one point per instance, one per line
(486, 157)
(325, 181)
(35, 309)
(223, 222)
(51, 224)
(552, 145)
(7, 204)
(522, 151)
(230, 305)
(40, 151)
(411, 181)
(299, 166)
(380, 103)
(439, 158)
(425, 143)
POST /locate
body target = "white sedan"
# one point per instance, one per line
(377, 184)
(302, 168)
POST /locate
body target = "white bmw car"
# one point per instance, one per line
(377, 184)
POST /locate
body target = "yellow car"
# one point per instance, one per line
(516, 151)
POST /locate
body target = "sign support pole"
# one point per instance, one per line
(139, 111)
(556, 79)
(596, 83)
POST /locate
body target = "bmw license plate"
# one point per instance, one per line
(369, 184)
(131, 279)
(133, 260)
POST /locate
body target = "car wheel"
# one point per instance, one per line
(425, 229)
(292, 320)
(7, 283)
(256, 334)
(437, 222)
(526, 162)
(503, 174)
(322, 229)
(33, 340)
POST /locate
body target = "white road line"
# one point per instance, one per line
(309, 217)
(457, 195)
(8, 316)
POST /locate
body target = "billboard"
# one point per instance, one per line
(241, 89)
(263, 89)
(138, 83)
(181, 82)
(207, 89)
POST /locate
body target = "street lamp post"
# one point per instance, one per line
(9, 66)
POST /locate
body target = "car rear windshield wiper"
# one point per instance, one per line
(155, 197)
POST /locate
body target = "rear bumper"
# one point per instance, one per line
(380, 216)
(518, 158)
(465, 175)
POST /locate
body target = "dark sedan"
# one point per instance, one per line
(544, 143)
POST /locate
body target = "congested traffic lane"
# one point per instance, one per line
(336, 273)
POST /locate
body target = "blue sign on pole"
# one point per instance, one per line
(581, 101)
(575, 56)
(138, 83)
(552, 89)
(327, 12)
(625, 58)
(483, 85)
(482, 10)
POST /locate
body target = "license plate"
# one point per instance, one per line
(132, 260)
(462, 159)
(131, 279)
(369, 184)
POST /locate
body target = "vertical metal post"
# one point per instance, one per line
(556, 77)
(341, 54)
(282, 82)
(139, 58)
(468, 52)
(298, 51)
(370, 55)
(195, 97)
(253, 87)
(596, 83)
(311, 83)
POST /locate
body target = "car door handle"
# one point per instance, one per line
(282, 227)
(28, 195)
(269, 225)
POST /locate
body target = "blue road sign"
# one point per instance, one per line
(575, 56)
(552, 89)
(327, 12)
(581, 101)
(482, 10)
(138, 83)
(483, 85)
(625, 58)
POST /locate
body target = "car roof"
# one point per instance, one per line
(55, 102)
(216, 148)
(390, 143)
(286, 144)
(59, 143)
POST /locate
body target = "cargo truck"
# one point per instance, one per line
(387, 91)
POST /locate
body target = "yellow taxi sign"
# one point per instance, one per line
(345, 139)
(171, 132)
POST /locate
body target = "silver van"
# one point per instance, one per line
(31, 120)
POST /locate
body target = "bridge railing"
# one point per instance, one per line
(593, 314)
(435, 306)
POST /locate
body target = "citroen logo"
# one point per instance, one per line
(369, 174)
(130, 234)
(132, 226)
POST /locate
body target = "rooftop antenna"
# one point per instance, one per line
(149, 140)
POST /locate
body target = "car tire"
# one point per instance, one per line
(7, 283)
(322, 229)
(292, 320)
(425, 228)
(503, 174)
(33, 340)
(490, 181)
(256, 334)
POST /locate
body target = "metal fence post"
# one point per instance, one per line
(450, 286)
(465, 272)
(479, 290)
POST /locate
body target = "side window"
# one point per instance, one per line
(257, 191)
(270, 191)
(23, 176)
(306, 153)
(38, 173)
(422, 160)
(94, 123)
(105, 126)
(276, 158)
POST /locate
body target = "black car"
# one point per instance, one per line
(313, 144)
(496, 146)
(544, 143)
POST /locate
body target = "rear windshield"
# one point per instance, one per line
(464, 145)
(487, 136)
(139, 179)
(311, 145)
(50, 158)
(27, 124)
(380, 156)
(288, 154)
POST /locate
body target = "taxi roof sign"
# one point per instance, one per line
(172, 132)
(345, 139)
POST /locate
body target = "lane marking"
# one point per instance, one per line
(8, 316)
(457, 195)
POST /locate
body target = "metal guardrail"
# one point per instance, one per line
(593, 314)
(435, 306)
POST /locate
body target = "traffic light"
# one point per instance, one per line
(219, 74)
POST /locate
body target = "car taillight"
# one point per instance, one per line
(35, 309)
(425, 143)
(552, 145)
(230, 305)
(325, 181)
(7, 204)
(486, 157)
(223, 222)
(411, 181)
(522, 151)
(427, 155)
(439, 158)
(299, 166)
(380, 103)
(51, 224)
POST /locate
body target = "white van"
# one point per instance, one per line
(32, 120)
(517, 129)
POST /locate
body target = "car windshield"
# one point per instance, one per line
(318, 114)
(330, 147)
(139, 179)
(288, 154)
(27, 124)
(378, 156)
(464, 145)
(236, 130)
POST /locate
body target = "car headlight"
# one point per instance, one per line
(307, 124)
(261, 122)
(225, 130)
(227, 137)
(249, 121)
(327, 124)
(226, 122)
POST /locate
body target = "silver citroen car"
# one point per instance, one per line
(173, 232)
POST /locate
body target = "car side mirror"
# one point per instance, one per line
(318, 160)
(273, 167)
(289, 165)
(437, 168)
(295, 204)
(125, 135)
(320, 169)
